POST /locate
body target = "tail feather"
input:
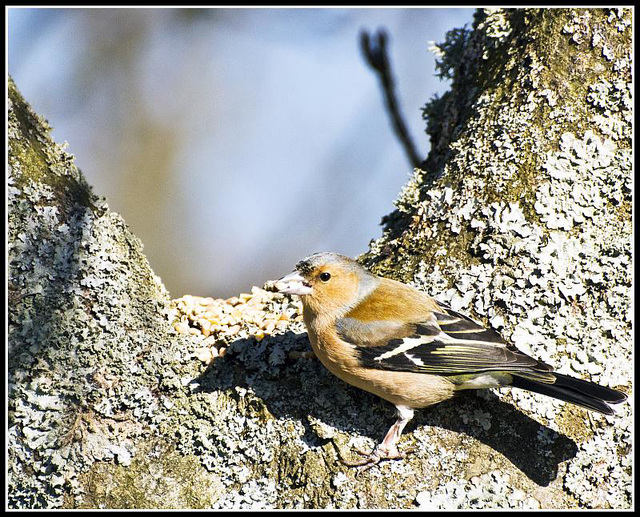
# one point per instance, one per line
(577, 391)
(591, 389)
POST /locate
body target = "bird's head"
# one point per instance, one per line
(327, 282)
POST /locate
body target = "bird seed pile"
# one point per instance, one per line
(220, 322)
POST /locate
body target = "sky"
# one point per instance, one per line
(234, 142)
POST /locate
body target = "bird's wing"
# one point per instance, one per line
(448, 343)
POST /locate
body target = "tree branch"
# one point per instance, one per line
(375, 53)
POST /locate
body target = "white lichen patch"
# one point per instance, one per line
(604, 478)
(491, 490)
(615, 105)
(496, 25)
(254, 495)
(576, 191)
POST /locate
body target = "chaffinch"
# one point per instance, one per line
(395, 341)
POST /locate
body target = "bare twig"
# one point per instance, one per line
(375, 52)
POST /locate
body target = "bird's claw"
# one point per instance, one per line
(370, 459)
(367, 461)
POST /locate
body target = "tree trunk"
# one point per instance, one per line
(521, 217)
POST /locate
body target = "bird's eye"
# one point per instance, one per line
(325, 276)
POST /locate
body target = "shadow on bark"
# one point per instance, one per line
(303, 388)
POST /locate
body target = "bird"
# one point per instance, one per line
(397, 342)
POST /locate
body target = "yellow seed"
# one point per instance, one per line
(213, 312)
(254, 300)
(233, 330)
(205, 354)
(181, 327)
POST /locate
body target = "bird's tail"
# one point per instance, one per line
(582, 393)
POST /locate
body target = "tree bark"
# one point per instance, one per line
(520, 217)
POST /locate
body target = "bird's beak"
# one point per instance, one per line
(293, 283)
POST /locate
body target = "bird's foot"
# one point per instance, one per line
(380, 453)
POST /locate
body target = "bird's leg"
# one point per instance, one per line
(387, 449)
